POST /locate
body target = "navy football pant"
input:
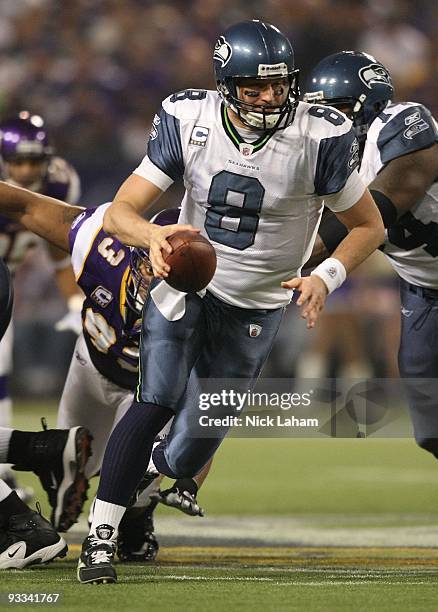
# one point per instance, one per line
(418, 361)
(213, 340)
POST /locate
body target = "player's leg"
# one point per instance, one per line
(418, 363)
(167, 353)
(233, 352)
(90, 400)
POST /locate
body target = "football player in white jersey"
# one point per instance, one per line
(257, 165)
(399, 163)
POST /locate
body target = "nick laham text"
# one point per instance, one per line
(257, 421)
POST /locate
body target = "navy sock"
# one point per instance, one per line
(128, 451)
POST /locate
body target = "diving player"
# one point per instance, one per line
(257, 165)
(399, 163)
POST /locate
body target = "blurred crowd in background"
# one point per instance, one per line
(97, 70)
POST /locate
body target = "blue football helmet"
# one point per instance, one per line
(256, 50)
(354, 82)
(24, 137)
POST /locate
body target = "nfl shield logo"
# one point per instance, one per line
(246, 149)
(254, 330)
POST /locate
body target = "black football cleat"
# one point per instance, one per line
(96, 561)
(29, 539)
(58, 457)
(136, 540)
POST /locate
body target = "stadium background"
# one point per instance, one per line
(96, 70)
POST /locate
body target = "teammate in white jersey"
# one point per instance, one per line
(399, 163)
(257, 165)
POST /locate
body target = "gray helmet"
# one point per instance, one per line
(355, 80)
(253, 49)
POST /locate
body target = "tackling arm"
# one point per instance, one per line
(47, 217)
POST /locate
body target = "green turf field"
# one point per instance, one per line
(291, 525)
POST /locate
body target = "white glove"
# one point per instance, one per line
(72, 321)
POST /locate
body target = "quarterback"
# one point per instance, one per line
(257, 165)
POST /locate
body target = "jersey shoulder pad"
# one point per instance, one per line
(190, 103)
(403, 128)
(324, 121)
(333, 144)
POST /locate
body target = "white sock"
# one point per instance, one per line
(5, 490)
(106, 519)
(5, 438)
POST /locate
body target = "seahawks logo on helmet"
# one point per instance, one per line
(222, 51)
(374, 73)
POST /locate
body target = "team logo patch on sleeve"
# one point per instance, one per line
(415, 125)
(373, 74)
(154, 129)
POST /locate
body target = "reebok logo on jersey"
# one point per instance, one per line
(374, 74)
(78, 219)
(199, 136)
(222, 51)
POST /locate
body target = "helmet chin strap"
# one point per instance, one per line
(260, 121)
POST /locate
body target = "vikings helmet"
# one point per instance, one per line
(253, 49)
(352, 80)
(141, 268)
(24, 137)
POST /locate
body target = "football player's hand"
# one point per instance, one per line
(181, 500)
(159, 247)
(312, 299)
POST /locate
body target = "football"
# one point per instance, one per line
(192, 262)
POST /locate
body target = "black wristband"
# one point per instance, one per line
(386, 207)
(331, 231)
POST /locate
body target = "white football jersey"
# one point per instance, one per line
(412, 244)
(259, 203)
